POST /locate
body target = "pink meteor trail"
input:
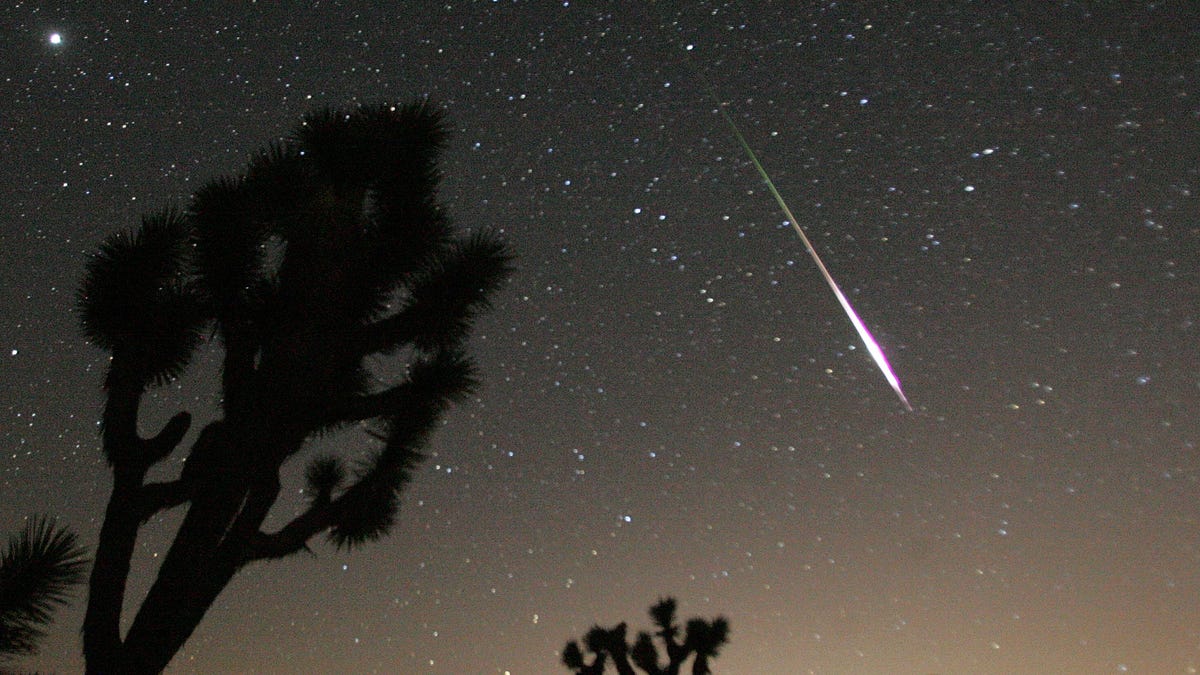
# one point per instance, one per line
(873, 347)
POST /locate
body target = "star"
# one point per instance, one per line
(55, 39)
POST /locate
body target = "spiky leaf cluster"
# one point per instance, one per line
(447, 296)
(663, 615)
(37, 570)
(706, 637)
(324, 475)
(229, 248)
(368, 508)
(135, 301)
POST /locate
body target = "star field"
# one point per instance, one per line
(672, 401)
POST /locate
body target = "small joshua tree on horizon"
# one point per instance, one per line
(341, 297)
(702, 639)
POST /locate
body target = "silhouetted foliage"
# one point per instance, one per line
(323, 270)
(37, 570)
(702, 640)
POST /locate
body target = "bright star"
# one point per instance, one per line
(56, 38)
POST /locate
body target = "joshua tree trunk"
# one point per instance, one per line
(106, 588)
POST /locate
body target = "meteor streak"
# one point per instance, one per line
(872, 347)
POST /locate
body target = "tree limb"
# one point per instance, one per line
(122, 444)
(155, 497)
(161, 445)
(293, 537)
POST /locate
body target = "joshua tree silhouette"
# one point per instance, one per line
(329, 253)
(702, 639)
(37, 570)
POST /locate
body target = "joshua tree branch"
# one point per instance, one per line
(293, 537)
(320, 516)
(164, 443)
(155, 497)
(121, 441)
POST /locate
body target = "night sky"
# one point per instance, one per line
(673, 402)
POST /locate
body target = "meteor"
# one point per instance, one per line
(873, 347)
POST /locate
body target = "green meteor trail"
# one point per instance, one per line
(873, 347)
